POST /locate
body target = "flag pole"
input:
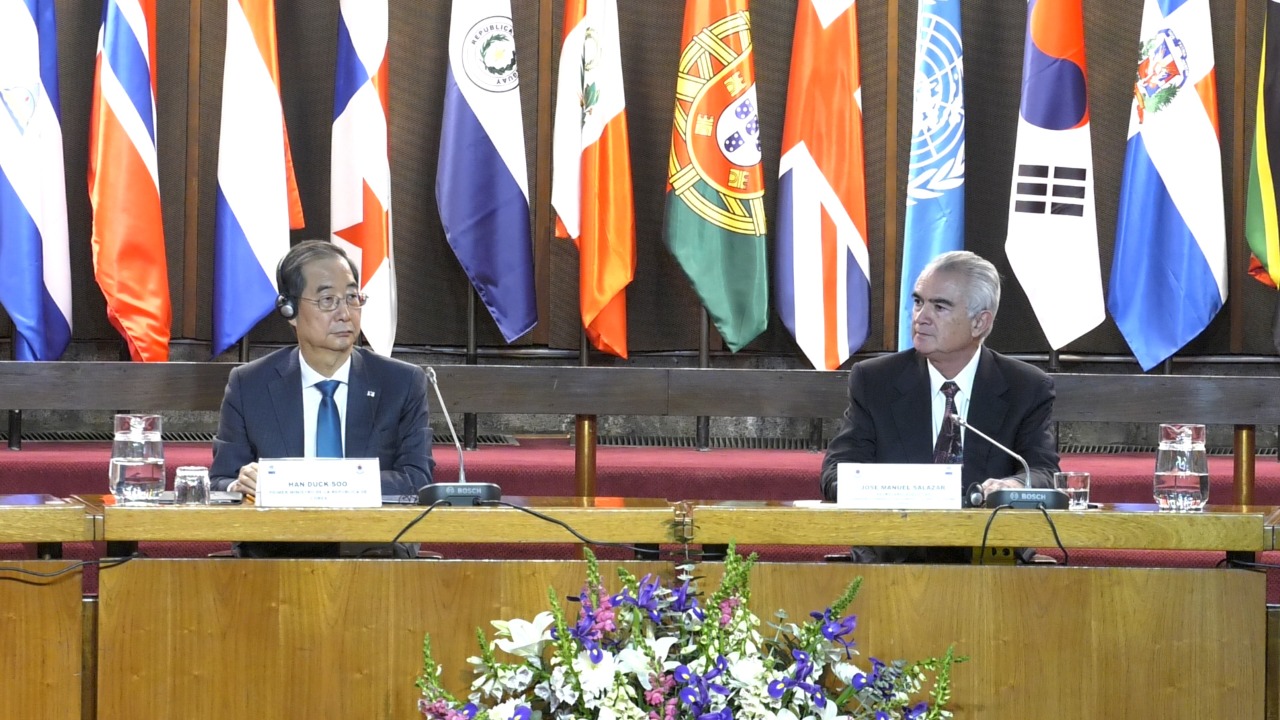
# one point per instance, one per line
(584, 448)
(469, 419)
(242, 354)
(704, 362)
(15, 416)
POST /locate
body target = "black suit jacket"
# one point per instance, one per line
(386, 418)
(890, 419)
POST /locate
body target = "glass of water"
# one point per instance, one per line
(1076, 485)
(1182, 468)
(137, 458)
(191, 485)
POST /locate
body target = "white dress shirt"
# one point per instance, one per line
(964, 380)
(311, 397)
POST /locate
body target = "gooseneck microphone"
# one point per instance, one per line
(1022, 498)
(461, 492)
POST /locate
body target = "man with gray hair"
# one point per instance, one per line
(901, 405)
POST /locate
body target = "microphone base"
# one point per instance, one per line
(459, 494)
(1028, 499)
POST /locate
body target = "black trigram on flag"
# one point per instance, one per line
(1045, 189)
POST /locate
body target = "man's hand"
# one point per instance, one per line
(247, 481)
(992, 484)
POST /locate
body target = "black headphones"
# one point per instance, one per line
(284, 304)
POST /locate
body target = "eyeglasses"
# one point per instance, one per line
(329, 303)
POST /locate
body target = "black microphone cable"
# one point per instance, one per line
(982, 551)
(102, 563)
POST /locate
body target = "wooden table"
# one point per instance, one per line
(41, 618)
(342, 638)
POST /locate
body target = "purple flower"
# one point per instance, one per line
(646, 597)
(918, 711)
(698, 688)
(799, 680)
(685, 602)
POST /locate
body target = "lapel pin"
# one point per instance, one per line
(371, 393)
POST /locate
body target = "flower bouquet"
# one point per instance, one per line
(652, 652)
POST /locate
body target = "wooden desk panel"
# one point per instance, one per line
(1137, 527)
(42, 518)
(40, 642)
(208, 638)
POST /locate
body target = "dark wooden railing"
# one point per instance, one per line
(1244, 402)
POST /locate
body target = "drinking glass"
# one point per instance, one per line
(191, 485)
(1182, 468)
(137, 458)
(1076, 485)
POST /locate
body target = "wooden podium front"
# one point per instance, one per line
(216, 638)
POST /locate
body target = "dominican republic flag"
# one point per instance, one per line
(935, 174)
(1053, 234)
(36, 291)
(360, 176)
(124, 188)
(482, 186)
(1169, 274)
(591, 169)
(824, 273)
(257, 193)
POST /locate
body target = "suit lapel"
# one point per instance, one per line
(286, 400)
(913, 411)
(987, 407)
(362, 406)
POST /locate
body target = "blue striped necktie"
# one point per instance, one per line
(328, 424)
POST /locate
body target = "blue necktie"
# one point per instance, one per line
(328, 424)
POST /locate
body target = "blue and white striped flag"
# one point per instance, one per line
(481, 179)
(935, 178)
(36, 291)
(257, 194)
(1169, 274)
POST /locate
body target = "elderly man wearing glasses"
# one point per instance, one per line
(324, 398)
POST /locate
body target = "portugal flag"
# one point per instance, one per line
(715, 223)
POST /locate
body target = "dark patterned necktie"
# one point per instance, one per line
(947, 450)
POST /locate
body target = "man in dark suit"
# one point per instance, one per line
(278, 405)
(898, 404)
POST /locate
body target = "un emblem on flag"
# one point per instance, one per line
(489, 55)
(937, 143)
(715, 140)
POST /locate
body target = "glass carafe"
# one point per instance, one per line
(1182, 468)
(137, 458)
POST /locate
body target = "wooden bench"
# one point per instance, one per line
(587, 393)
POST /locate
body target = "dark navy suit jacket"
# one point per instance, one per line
(890, 419)
(386, 418)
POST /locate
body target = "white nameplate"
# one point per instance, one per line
(319, 482)
(880, 486)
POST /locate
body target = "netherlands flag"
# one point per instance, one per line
(1053, 232)
(124, 188)
(824, 271)
(1169, 274)
(36, 292)
(481, 178)
(257, 193)
(360, 175)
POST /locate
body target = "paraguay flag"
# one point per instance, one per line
(481, 179)
(257, 193)
(360, 175)
(1169, 274)
(824, 272)
(935, 175)
(124, 188)
(591, 169)
(1262, 204)
(1053, 233)
(36, 292)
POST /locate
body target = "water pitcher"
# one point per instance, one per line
(137, 458)
(1182, 468)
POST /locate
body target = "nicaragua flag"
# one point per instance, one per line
(935, 176)
(1053, 233)
(481, 178)
(1169, 274)
(124, 188)
(257, 193)
(823, 277)
(36, 292)
(360, 173)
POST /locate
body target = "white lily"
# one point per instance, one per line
(524, 638)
